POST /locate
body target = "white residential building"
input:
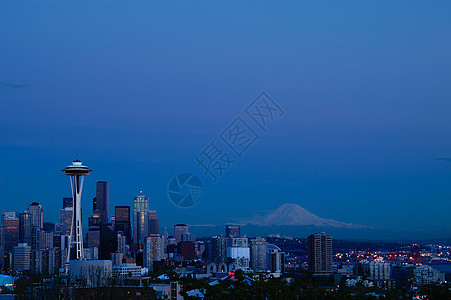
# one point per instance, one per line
(425, 274)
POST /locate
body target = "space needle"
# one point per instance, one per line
(77, 171)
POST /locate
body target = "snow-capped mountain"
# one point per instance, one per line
(294, 215)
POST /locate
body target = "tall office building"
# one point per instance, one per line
(259, 247)
(154, 223)
(21, 257)
(10, 230)
(140, 218)
(59, 231)
(179, 230)
(68, 202)
(37, 215)
(320, 254)
(44, 239)
(95, 220)
(25, 228)
(232, 231)
(108, 241)
(10, 235)
(122, 221)
(66, 219)
(100, 202)
(93, 238)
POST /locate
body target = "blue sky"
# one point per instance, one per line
(139, 89)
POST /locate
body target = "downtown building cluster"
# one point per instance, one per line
(125, 244)
(29, 244)
(126, 248)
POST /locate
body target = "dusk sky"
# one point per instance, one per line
(140, 88)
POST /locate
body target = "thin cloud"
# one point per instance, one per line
(444, 158)
(14, 85)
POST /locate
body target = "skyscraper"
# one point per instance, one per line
(77, 172)
(66, 219)
(100, 202)
(320, 254)
(122, 221)
(10, 235)
(259, 247)
(140, 218)
(108, 241)
(153, 250)
(21, 257)
(218, 249)
(154, 223)
(37, 215)
(68, 202)
(121, 242)
(25, 228)
(276, 260)
(179, 230)
(10, 230)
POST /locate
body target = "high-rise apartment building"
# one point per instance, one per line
(238, 252)
(276, 259)
(320, 254)
(258, 248)
(217, 249)
(140, 218)
(153, 250)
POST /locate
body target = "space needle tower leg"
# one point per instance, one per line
(76, 228)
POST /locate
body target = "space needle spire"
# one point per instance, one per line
(77, 171)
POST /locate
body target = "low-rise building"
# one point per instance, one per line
(127, 270)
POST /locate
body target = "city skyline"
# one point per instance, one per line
(237, 149)
(364, 92)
